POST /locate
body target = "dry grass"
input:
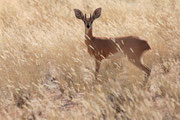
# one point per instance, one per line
(46, 72)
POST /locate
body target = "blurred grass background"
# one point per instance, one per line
(42, 40)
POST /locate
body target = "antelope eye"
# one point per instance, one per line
(84, 22)
(91, 22)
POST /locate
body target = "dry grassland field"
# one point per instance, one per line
(46, 72)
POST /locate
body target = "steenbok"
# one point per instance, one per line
(102, 48)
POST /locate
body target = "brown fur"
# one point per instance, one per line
(101, 48)
(131, 46)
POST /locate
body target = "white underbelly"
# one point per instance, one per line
(117, 55)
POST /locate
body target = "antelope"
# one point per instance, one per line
(101, 48)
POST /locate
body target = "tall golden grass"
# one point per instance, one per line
(46, 72)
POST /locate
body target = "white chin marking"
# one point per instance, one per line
(87, 30)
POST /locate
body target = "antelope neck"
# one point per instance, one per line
(88, 34)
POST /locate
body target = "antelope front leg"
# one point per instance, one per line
(98, 63)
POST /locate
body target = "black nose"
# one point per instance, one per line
(88, 26)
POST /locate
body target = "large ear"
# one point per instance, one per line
(97, 13)
(78, 14)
